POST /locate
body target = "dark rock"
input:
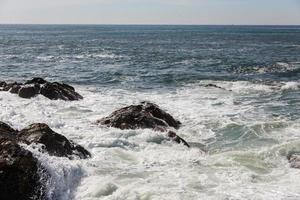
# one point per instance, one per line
(294, 159)
(29, 91)
(37, 86)
(15, 89)
(177, 139)
(20, 173)
(6, 132)
(36, 80)
(215, 86)
(54, 143)
(56, 91)
(2, 84)
(15, 86)
(144, 115)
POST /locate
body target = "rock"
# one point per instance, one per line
(20, 173)
(215, 86)
(37, 86)
(177, 139)
(29, 91)
(15, 89)
(2, 84)
(36, 80)
(144, 115)
(6, 132)
(54, 143)
(56, 91)
(294, 159)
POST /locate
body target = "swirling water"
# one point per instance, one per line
(240, 135)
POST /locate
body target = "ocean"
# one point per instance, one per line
(239, 134)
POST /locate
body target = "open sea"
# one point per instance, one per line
(239, 135)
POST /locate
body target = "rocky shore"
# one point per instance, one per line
(20, 171)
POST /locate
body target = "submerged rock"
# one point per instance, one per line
(54, 143)
(35, 86)
(215, 86)
(294, 159)
(144, 115)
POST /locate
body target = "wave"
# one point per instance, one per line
(245, 129)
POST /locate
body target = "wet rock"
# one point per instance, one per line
(15, 88)
(54, 143)
(177, 139)
(36, 80)
(19, 173)
(144, 115)
(6, 132)
(29, 91)
(2, 84)
(37, 86)
(56, 91)
(294, 159)
(215, 86)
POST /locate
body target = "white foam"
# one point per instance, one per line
(291, 86)
(143, 164)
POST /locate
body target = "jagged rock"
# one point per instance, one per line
(144, 115)
(56, 91)
(29, 91)
(36, 80)
(20, 173)
(294, 159)
(54, 143)
(15, 89)
(2, 84)
(6, 132)
(37, 86)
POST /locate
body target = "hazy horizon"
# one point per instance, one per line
(154, 12)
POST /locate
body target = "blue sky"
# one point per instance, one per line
(150, 11)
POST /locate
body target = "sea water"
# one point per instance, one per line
(239, 135)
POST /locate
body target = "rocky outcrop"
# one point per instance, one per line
(6, 132)
(294, 159)
(19, 170)
(21, 174)
(56, 91)
(144, 115)
(29, 91)
(35, 86)
(54, 143)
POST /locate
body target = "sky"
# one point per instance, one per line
(248, 12)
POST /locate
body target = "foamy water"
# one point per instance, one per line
(239, 139)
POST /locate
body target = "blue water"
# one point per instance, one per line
(239, 135)
(149, 57)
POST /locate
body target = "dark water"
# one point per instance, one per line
(148, 57)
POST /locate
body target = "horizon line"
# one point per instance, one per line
(147, 24)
